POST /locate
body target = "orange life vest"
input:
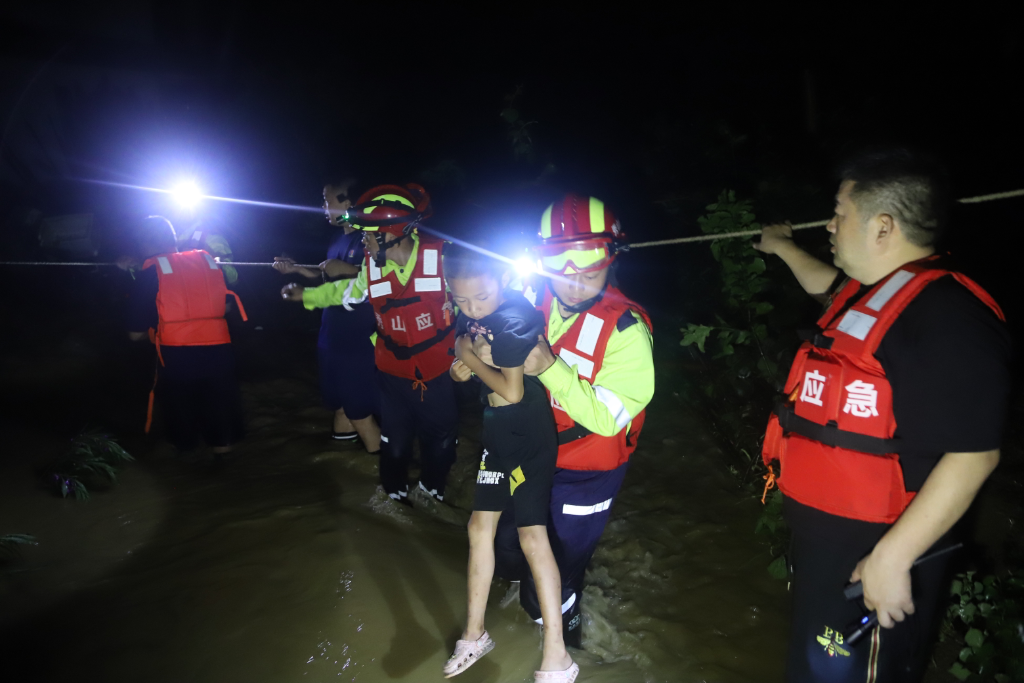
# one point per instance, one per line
(415, 325)
(583, 345)
(834, 434)
(191, 300)
(190, 304)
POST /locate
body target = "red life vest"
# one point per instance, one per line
(583, 346)
(834, 435)
(415, 327)
(191, 300)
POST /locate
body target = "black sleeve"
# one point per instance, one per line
(517, 337)
(461, 325)
(142, 313)
(947, 358)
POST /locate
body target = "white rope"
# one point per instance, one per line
(637, 245)
(801, 226)
(90, 263)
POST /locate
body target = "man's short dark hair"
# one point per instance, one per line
(340, 181)
(904, 184)
(463, 263)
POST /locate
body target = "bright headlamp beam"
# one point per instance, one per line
(187, 194)
(248, 202)
(525, 266)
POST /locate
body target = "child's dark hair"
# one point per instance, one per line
(463, 263)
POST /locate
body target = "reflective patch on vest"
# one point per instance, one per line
(209, 260)
(380, 289)
(428, 284)
(889, 289)
(614, 406)
(584, 367)
(857, 324)
(583, 510)
(374, 270)
(590, 332)
(165, 265)
(430, 261)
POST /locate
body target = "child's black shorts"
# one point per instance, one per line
(520, 449)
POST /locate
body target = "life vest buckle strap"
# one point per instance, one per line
(816, 338)
(830, 435)
(398, 303)
(574, 433)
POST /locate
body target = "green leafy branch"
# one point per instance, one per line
(987, 613)
(739, 361)
(518, 127)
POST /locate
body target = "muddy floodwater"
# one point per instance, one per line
(286, 565)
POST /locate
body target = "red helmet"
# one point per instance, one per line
(391, 209)
(579, 235)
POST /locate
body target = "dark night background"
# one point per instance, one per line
(655, 109)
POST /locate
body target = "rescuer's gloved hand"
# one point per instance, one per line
(292, 292)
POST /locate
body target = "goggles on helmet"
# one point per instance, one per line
(575, 256)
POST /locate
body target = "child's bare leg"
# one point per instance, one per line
(342, 424)
(482, 527)
(537, 548)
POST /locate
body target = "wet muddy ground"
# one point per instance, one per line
(286, 564)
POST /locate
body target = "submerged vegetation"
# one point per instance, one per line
(10, 545)
(93, 458)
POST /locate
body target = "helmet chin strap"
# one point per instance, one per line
(582, 306)
(382, 246)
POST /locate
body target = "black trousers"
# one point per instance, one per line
(823, 554)
(581, 502)
(408, 412)
(199, 396)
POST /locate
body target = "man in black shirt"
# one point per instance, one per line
(945, 358)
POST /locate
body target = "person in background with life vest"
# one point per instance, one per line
(893, 420)
(179, 298)
(205, 235)
(344, 349)
(599, 374)
(403, 279)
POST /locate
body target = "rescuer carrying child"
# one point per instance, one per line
(520, 447)
(599, 374)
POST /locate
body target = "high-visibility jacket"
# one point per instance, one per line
(190, 301)
(583, 346)
(415, 325)
(834, 434)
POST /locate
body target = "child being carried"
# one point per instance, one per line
(520, 448)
